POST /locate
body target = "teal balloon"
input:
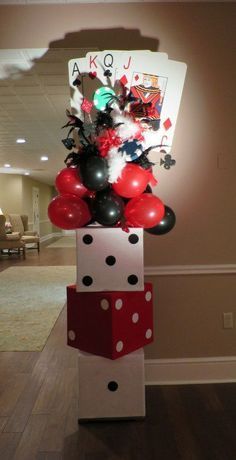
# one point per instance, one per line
(102, 97)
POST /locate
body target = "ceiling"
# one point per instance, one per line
(34, 94)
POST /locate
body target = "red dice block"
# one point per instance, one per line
(110, 323)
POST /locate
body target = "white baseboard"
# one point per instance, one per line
(190, 370)
(68, 233)
(167, 270)
(49, 236)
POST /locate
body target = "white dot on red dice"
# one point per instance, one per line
(119, 346)
(119, 304)
(135, 317)
(148, 296)
(148, 334)
(71, 335)
(104, 304)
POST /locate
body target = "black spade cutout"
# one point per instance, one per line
(87, 239)
(132, 279)
(112, 386)
(87, 280)
(110, 260)
(133, 239)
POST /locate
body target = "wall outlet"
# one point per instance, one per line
(228, 320)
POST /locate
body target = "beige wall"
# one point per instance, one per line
(16, 198)
(11, 193)
(188, 316)
(201, 188)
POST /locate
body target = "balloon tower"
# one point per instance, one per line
(118, 117)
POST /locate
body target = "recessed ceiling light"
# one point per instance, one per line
(7, 165)
(27, 173)
(20, 140)
(44, 158)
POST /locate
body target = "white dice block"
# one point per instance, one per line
(109, 259)
(111, 389)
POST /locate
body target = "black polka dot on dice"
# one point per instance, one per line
(133, 239)
(87, 280)
(110, 260)
(87, 239)
(112, 386)
(132, 279)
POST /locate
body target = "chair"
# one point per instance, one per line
(10, 241)
(20, 224)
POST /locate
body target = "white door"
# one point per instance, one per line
(35, 209)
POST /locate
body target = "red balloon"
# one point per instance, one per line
(133, 181)
(68, 181)
(145, 211)
(68, 212)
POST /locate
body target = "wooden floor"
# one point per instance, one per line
(38, 406)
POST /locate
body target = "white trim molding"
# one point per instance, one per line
(167, 270)
(190, 370)
(49, 236)
(68, 233)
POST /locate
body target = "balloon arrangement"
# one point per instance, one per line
(107, 177)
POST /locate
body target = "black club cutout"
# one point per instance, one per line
(133, 239)
(107, 73)
(87, 239)
(132, 279)
(87, 280)
(112, 386)
(110, 260)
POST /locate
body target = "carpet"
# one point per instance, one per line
(64, 242)
(31, 299)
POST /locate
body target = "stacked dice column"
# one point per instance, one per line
(109, 320)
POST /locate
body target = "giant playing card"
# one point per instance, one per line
(160, 84)
(155, 84)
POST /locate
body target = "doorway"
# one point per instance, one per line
(35, 197)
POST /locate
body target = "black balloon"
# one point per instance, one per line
(107, 208)
(148, 189)
(94, 172)
(165, 225)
